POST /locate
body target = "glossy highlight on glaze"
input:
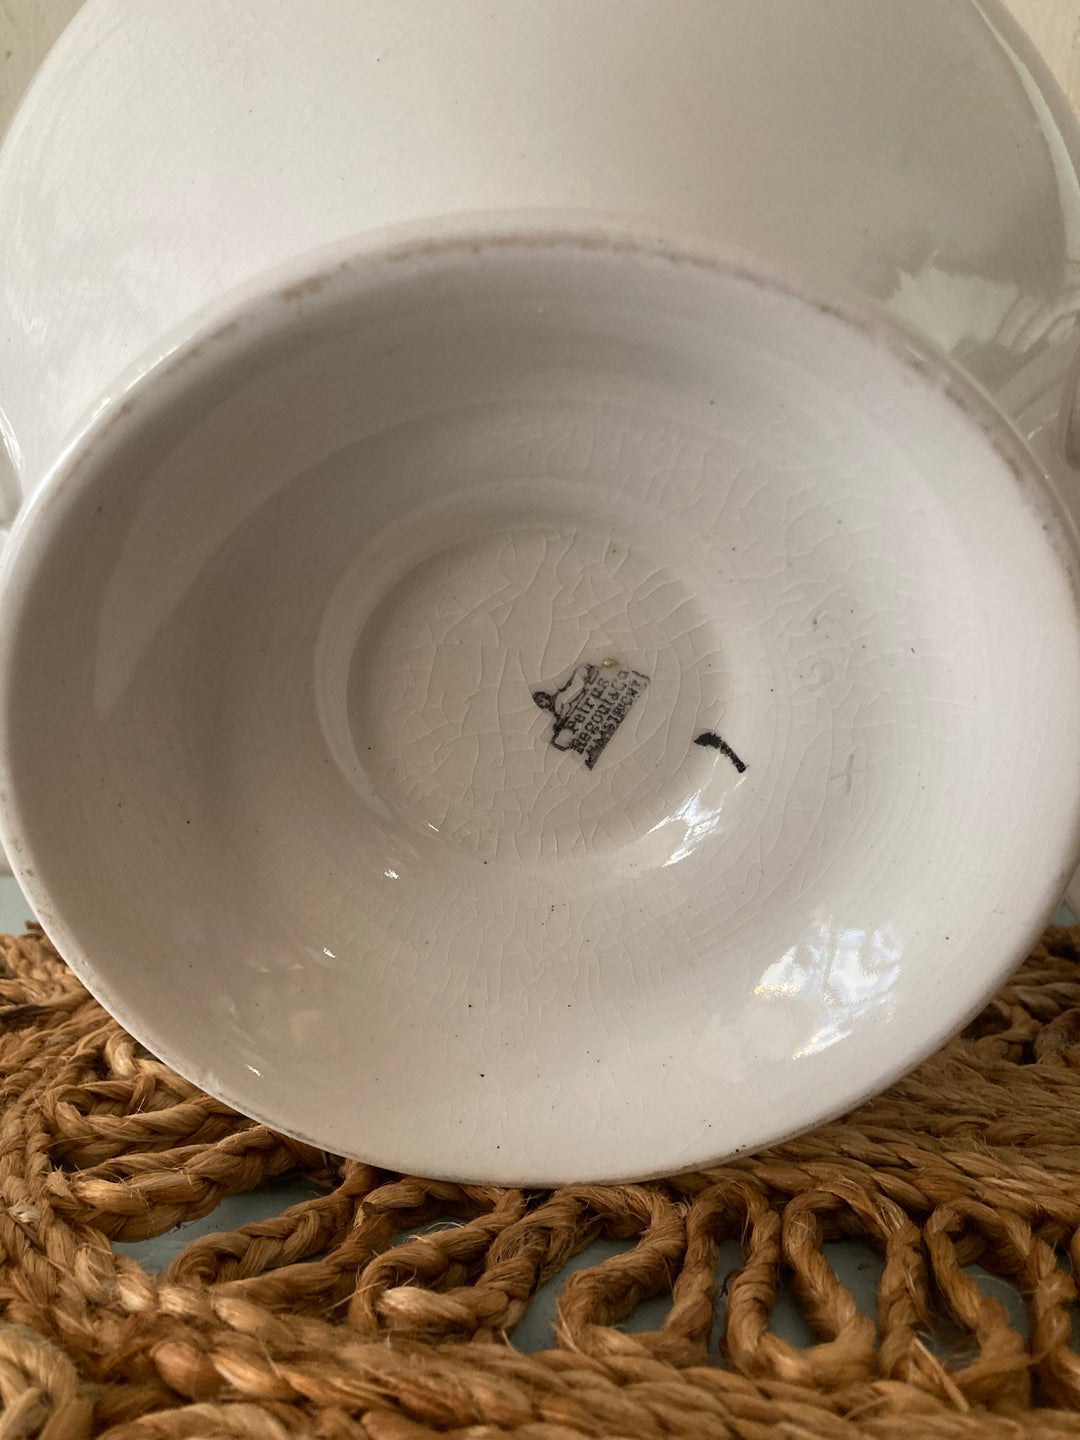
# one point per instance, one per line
(299, 650)
(425, 392)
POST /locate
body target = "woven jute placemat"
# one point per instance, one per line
(314, 1323)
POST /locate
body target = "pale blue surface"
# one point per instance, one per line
(856, 1265)
(14, 909)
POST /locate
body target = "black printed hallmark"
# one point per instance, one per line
(591, 706)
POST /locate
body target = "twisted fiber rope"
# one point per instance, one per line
(309, 1324)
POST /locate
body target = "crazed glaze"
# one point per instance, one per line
(319, 564)
(646, 723)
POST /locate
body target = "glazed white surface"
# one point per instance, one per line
(916, 153)
(1054, 28)
(29, 27)
(804, 543)
(169, 154)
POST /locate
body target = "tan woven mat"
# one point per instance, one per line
(312, 1324)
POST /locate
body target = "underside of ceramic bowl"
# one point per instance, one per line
(530, 706)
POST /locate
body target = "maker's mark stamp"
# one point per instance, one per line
(591, 706)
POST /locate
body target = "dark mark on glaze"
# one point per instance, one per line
(714, 742)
